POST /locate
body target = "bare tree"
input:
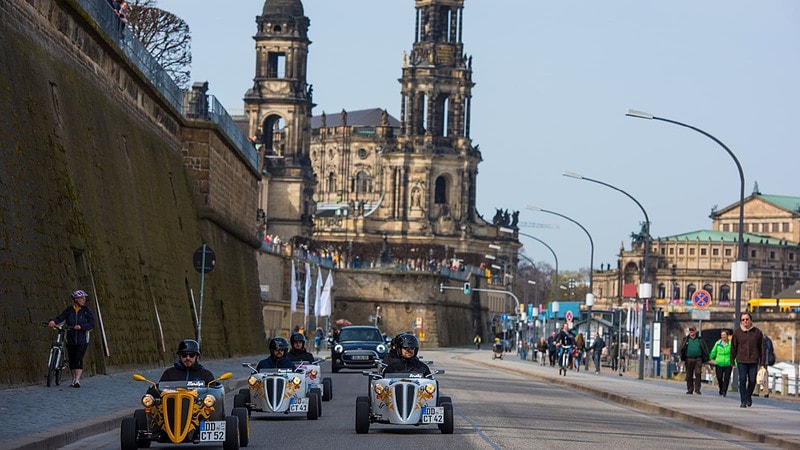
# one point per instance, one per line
(166, 36)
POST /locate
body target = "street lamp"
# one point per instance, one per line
(590, 294)
(555, 282)
(739, 267)
(645, 290)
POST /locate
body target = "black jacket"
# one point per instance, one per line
(300, 355)
(685, 346)
(84, 317)
(195, 372)
(398, 364)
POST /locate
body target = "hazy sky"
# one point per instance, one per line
(553, 82)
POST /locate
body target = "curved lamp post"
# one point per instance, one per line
(739, 268)
(555, 282)
(645, 290)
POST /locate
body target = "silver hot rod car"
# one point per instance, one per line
(282, 391)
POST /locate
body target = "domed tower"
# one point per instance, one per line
(278, 109)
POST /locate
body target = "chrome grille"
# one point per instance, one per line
(276, 386)
(405, 395)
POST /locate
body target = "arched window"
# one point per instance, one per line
(662, 290)
(331, 182)
(363, 184)
(676, 291)
(690, 290)
(724, 293)
(709, 288)
(440, 193)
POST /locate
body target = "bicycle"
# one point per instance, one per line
(564, 359)
(57, 360)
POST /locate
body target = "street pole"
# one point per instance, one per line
(739, 268)
(645, 289)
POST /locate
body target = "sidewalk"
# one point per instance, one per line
(38, 417)
(772, 421)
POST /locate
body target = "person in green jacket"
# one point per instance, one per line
(721, 355)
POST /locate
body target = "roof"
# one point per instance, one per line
(792, 291)
(292, 8)
(783, 201)
(721, 236)
(363, 118)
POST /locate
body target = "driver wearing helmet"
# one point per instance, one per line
(188, 367)
(278, 348)
(298, 353)
(402, 358)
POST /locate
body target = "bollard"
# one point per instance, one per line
(785, 384)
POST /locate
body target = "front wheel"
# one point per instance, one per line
(314, 403)
(362, 415)
(127, 434)
(140, 416)
(53, 367)
(244, 425)
(231, 433)
(447, 426)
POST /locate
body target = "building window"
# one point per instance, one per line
(714, 252)
(775, 227)
(663, 251)
(676, 291)
(690, 290)
(785, 227)
(276, 65)
(662, 290)
(671, 250)
(710, 289)
(735, 227)
(703, 251)
(765, 228)
(724, 293)
(771, 255)
(691, 252)
(680, 251)
(726, 227)
(752, 253)
(791, 256)
(727, 252)
(440, 194)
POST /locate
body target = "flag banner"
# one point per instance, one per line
(326, 301)
(307, 290)
(294, 289)
(318, 292)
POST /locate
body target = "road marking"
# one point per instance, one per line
(477, 429)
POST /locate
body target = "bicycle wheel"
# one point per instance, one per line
(60, 366)
(52, 365)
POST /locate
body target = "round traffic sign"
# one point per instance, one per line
(204, 259)
(569, 316)
(701, 298)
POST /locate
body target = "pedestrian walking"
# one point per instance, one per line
(721, 358)
(580, 344)
(747, 352)
(693, 353)
(597, 350)
(79, 321)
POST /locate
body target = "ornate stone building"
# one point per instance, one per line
(681, 264)
(383, 188)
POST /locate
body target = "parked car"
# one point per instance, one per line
(357, 347)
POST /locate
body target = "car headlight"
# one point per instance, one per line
(378, 389)
(380, 348)
(209, 400)
(430, 388)
(252, 381)
(148, 400)
(338, 348)
(296, 381)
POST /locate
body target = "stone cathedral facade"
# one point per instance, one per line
(363, 184)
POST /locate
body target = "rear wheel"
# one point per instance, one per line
(362, 415)
(231, 433)
(127, 434)
(447, 426)
(314, 403)
(141, 424)
(327, 389)
(244, 425)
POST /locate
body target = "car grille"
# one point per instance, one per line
(405, 395)
(275, 387)
(177, 408)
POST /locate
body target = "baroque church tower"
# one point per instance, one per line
(278, 111)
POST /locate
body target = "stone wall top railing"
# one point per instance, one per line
(120, 34)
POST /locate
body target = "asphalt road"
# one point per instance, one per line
(495, 409)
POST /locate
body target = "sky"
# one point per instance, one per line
(553, 82)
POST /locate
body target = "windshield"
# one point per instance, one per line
(360, 334)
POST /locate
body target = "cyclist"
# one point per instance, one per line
(278, 347)
(565, 341)
(403, 356)
(79, 320)
(187, 367)
(298, 353)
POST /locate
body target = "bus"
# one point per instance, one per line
(774, 305)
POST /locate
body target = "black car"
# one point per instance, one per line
(357, 347)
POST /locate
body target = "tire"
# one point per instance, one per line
(447, 426)
(245, 393)
(127, 434)
(140, 416)
(239, 401)
(242, 414)
(59, 366)
(327, 389)
(319, 400)
(443, 399)
(314, 403)
(52, 365)
(362, 415)
(231, 433)
(335, 368)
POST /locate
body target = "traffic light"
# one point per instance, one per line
(467, 288)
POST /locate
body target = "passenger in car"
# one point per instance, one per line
(278, 348)
(298, 353)
(402, 358)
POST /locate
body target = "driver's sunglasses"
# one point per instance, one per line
(188, 355)
(408, 348)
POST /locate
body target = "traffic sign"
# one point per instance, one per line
(569, 316)
(701, 298)
(210, 259)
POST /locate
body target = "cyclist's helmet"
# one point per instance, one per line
(406, 340)
(297, 337)
(188, 346)
(78, 294)
(278, 343)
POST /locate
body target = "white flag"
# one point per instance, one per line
(318, 292)
(327, 299)
(307, 294)
(294, 290)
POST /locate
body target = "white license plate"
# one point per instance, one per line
(301, 405)
(360, 357)
(212, 431)
(433, 414)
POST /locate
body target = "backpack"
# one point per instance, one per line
(770, 351)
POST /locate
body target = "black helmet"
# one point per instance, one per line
(297, 337)
(278, 343)
(406, 340)
(188, 346)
